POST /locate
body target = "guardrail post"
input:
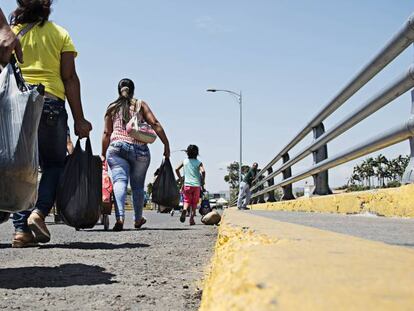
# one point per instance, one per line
(271, 182)
(256, 199)
(321, 179)
(408, 176)
(261, 198)
(287, 190)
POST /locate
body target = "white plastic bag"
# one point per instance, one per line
(20, 111)
(212, 218)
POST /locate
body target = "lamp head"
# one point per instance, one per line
(212, 90)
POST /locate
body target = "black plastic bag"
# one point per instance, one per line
(79, 196)
(205, 207)
(165, 190)
(4, 217)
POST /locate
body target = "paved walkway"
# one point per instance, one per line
(395, 231)
(157, 268)
(274, 263)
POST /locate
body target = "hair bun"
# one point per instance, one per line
(125, 91)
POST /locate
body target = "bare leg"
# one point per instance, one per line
(193, 212)
(184, 212)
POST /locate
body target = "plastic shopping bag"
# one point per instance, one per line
(20, 111)
(212, 218)
(107, 186)
(4, 217)
(79, 196)
(165, 190)
(205, 207)
(107, 190)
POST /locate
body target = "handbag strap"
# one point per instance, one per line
(25, 30)
(137, 108)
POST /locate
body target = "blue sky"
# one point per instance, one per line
(288, 57)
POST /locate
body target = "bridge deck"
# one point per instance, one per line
(157, 268)
(395, 231)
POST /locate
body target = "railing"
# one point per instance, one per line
(264, 183)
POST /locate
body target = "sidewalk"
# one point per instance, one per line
(264, 264)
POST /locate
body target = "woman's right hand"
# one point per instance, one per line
(167, 151)
(82, 128)
(8, 44)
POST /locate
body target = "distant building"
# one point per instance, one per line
(220, 194)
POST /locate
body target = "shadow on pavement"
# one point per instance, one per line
(109, 231)
(140, 229)
(165, 229)
(404, 244)
(95, 245)
(60, 276)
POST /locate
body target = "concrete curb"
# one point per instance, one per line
(263, 264)
(394, 202)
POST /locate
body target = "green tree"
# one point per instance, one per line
(401, 165)
(368, 172)
(357, 176)
(387, 172)
(149, 189)
(381, 169)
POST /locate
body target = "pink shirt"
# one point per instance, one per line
(119, 132)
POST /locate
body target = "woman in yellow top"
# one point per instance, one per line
(49, 58)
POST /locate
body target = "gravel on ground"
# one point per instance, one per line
(159, 267)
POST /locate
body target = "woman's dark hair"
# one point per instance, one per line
(31, 11)
(192, 152)
(126, 90)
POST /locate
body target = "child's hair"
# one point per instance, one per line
(192, 152)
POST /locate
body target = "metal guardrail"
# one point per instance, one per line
(264, 182)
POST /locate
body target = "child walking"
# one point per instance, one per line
(194, 177)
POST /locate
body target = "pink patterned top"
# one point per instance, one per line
(119, 132)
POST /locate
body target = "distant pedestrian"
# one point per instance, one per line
(194, 177)
(127, 157)
(244, 191)
(69, 144)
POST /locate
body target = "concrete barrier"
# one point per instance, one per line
(263, 264)
(391, 202)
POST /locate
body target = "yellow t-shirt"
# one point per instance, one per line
(42, 48)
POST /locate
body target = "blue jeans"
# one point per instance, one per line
(52, 135)
(244, 193)
(128, 162)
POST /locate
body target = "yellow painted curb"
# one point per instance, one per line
(385, 202)
(263, 264)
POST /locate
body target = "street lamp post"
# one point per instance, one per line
(240, 99)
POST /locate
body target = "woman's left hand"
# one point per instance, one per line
(82, 128)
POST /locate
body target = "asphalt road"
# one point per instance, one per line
(395, 231)
(157, 268)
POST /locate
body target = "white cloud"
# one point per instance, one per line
(210, 25)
